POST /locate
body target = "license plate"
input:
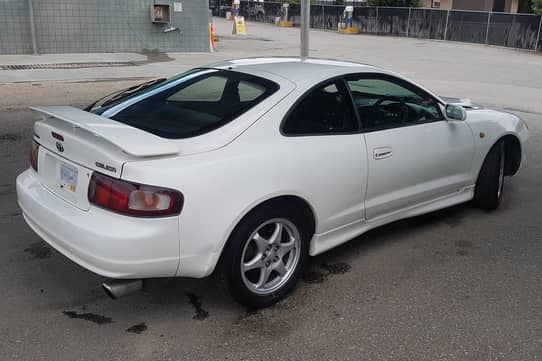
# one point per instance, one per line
(68, 177)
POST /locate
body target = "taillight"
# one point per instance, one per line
(133, 199)
(34, 155)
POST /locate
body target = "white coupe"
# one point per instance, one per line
(253, 165)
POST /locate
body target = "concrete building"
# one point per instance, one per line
(507, 6)
(85, 26)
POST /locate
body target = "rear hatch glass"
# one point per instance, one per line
(191, 104)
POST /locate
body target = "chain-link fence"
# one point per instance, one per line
(521, 31)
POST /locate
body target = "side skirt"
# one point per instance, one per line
(325, 241)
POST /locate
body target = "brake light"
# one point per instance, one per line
(34, 155)
(133, 199)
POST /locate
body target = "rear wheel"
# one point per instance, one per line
(266, 254)
(490, 183)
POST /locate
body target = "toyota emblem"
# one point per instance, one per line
(60, 147)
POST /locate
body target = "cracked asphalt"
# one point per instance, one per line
(458, 284)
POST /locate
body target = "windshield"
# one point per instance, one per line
(190, 104)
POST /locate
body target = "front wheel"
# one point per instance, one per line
(267, 252)
(490, 183)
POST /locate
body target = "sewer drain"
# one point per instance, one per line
(67, 65)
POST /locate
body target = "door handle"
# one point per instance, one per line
(382, 153)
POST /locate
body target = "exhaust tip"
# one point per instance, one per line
(107, 289)
(119, 288)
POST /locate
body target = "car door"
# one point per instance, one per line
(323, 139)
(414, 154)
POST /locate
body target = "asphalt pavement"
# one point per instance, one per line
(458, 284)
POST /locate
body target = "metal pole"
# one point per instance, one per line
(538, 36)
(376, 21)
(324, 16)
(305, 23)
(32, 27)
(408, 22)
(487, 29)
(446, 27)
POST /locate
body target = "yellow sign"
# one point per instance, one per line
(239, 27)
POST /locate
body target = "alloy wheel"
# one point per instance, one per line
(270, 256)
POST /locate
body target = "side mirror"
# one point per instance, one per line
(455, 112)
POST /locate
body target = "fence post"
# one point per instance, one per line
(324, 16)
(446, 26)
(408, 22)
(538, 36)
(32, 27)
(487, 28)
(376, 21)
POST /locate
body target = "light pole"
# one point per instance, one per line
(305, 24)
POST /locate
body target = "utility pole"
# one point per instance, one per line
(305, 25)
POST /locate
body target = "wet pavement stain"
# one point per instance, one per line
(10, 215)
(336, 268)
(329, 268)
(250, 313)
(313, 277)
(39, 250)
(140, 327)
(9, 137)
(194, 300)
(463, 244)
(88, 316)
(454, 220)
(6, 189)
(462, 252)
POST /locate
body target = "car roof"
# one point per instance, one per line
(296, 69)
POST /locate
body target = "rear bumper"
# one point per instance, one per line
(103, 242)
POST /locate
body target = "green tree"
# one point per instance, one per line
(405, 3)
(537, 7)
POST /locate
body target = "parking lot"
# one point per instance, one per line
(459, 284)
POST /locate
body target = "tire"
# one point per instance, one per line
(273, 240)
(490, 182)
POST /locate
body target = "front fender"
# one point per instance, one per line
(488, 127)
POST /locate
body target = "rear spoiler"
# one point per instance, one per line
(131, 140)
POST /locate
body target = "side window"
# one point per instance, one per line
(326, 110)
(386, 103)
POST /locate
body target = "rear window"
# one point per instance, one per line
(192, 104)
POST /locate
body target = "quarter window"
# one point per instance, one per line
(209, 89)
(325, 110)
(388, 103)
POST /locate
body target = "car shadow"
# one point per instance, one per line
(196, 300)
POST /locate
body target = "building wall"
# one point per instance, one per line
(14, 27)
(511, 6)
(444, 4)
(507, 6)
(480, 5)
(79, 26)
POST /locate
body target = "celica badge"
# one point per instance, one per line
(106, 167)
